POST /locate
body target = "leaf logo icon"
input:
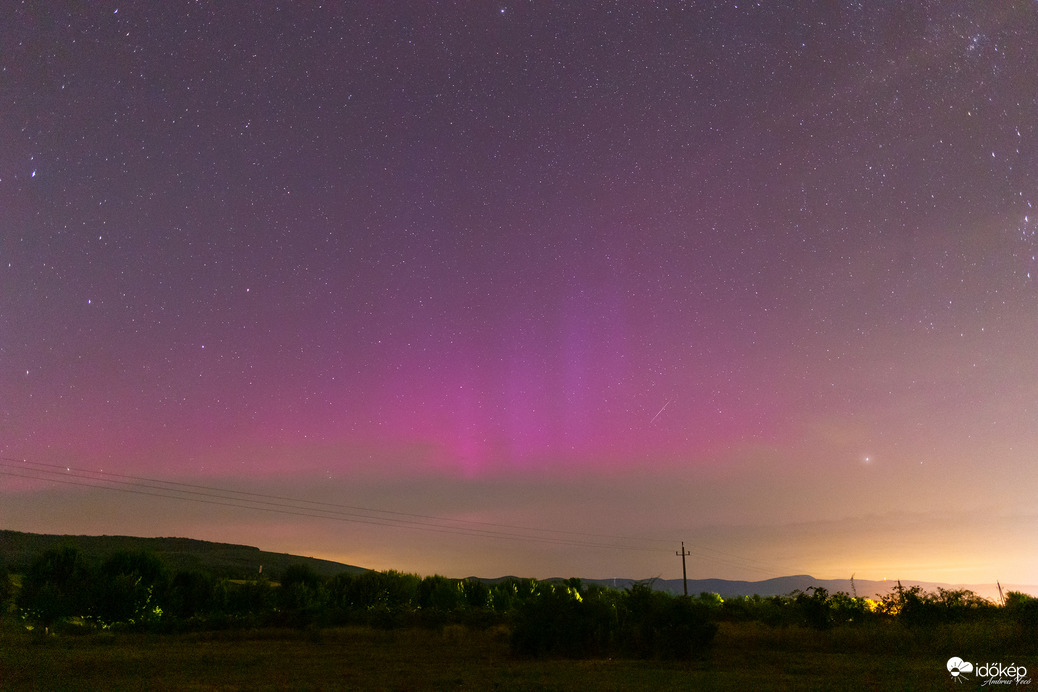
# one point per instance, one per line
(957, 667)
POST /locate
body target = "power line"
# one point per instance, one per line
(227, 498)
(175, 486)
(212, 495)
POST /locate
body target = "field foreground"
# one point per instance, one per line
(744, 656)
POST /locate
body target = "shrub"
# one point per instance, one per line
(813, 607)
(302, 591)
(918, 608)
(55, 587)
(476, 593)
(557, 622)
(252, 598)
(655, 624)
(6, 589)
(1023, 610)
(440, 593)
(191, 594)
(129, 588)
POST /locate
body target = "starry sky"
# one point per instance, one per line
(527, 288)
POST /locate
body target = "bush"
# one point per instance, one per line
(353, 593)
(655, 624)
(814, 608)
(440, 593)
(191, 594)
(918, 608)
(302, 593)
(55, 587)
(129, 589)
(252, 599)
(559, 623)
(1023, 610)
(6, 589)
(569, 621)
(476, 593)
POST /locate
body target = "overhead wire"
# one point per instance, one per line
(273, 503)
(265, 498)
(212, 495)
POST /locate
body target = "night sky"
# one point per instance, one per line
(527, 288)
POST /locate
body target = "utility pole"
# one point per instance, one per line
(684, 573)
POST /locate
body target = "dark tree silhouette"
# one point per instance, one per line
(55, 587)
(129, 588)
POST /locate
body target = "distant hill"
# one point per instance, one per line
(18, 550)
(782, 586)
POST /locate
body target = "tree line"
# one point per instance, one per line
(135, 590)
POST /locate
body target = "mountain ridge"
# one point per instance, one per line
(235, 561)
(783, 586)
(225, 560)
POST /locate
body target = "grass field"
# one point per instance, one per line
(744, 657)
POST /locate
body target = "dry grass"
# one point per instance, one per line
(744, 657)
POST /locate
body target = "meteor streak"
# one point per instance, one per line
(660, 411)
